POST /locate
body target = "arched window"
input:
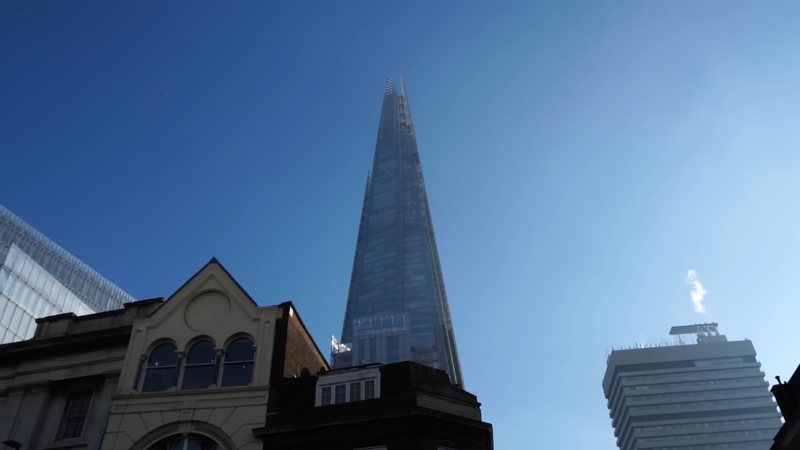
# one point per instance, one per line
(237, 369)
(159, 373)
(198, 371)
(187, 442)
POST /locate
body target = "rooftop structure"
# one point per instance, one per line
(403, 405)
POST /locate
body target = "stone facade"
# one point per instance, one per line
(68, 355)
(111, 357)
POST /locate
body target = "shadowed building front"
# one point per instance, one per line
(396, 406)
(397, 308)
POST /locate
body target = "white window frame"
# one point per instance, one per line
(346, 377)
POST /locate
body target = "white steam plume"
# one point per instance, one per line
(697, 291)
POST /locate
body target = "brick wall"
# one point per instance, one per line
(301, 351)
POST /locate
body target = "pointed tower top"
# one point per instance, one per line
(390, 86)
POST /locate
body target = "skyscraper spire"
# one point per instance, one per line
(389, 86)
(397, 308)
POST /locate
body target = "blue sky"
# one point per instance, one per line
(580, 159)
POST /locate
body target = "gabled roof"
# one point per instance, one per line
(214, 260)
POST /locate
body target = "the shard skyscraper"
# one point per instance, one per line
(397, 306)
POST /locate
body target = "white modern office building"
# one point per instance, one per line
(38, 279)
(704, 393)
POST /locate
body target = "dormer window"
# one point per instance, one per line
(159, 372)
(348, 386)
(369, 389)
(198, 371)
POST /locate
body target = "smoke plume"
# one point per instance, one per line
(697, 291)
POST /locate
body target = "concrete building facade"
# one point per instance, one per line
(704, 395)
(192, 372)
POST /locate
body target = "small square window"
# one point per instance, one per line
(355, 391)
(341, 393)
(326, 396)
(75, 414)
(369, 389)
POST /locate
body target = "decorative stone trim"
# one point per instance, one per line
(155, 436)
(175, 428)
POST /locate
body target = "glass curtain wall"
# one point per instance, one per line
(397, 308)
(38, 278)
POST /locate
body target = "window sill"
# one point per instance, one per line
(65, 443)
(181, 392)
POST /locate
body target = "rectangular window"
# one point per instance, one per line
(392, 349)
(718, 362)
(355, 391)
(75, 414)
(326, 396)
(360, 352)
(341, 393)
(373, 350)
(369, 389)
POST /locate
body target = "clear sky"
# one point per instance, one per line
(580, 159)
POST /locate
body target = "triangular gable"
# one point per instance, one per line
(211, 277)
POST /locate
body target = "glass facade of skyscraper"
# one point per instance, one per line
(397, 308)
(38, 278)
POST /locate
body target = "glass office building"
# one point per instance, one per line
(397, 306)
(705, 394)
(38, 279)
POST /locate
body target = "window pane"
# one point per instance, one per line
(237, 374)
(6, 319)
(355, 392)
(392, 349)
(369, 389)
(23, 297)
(240, 350)
(197, 377)
(158, 379)
(40, 280)
(326, 395)
(18, 313)
(197, 442)
(48, 286)
(340, 393)
(163, 355)
(75, 414)
(202, 353)
(7, 287)
(191, 442)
